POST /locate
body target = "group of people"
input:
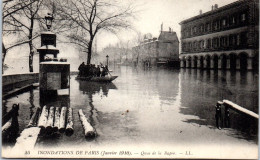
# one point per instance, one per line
(91, 70)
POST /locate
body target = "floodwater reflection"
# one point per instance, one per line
(153, 106)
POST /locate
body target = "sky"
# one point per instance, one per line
(151, 14)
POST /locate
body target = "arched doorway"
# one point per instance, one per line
(243, 60)
(223, 59)
(256, 62)
(195, 60)
(201, 62)
(232, 60)
(183, 61)
(215, 61)
(207, 64)
(188, 62)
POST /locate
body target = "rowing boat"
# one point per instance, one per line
(97, 79)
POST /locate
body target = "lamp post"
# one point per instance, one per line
(107, 60)
(48, 21)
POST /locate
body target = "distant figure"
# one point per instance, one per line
(98, 71)
(103, 72)
(81, 68)
(106, 70)
(218, 115)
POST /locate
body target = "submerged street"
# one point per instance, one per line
(155, 107)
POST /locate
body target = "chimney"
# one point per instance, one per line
(212, 7)
(200, 12)
(216, 6)
(170, 29)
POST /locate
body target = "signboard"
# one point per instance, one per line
(53, 80)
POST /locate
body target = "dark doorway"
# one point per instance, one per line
(243, 61)
(215, 61)
(223, 58)
(201, 62)
(195, 61)
(207, 62)
(233, 58)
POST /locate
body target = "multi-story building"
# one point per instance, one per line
(223, 38)
(164, 50)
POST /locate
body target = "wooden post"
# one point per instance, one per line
(34, 119)
(69, 128)
(218, 115)
(43, 118)
(10, 114)
(62, 119)
(227, 118)
(49, 125)
(57, 120)
(89, 131)
(6, 127)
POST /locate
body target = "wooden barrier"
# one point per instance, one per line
(62, 119)
(89, 131)
(34, 118)
(222, 108)
(43, 118)
(49, 124)
(240, 109)
(69, 128)
(56, 120)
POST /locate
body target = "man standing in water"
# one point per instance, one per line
(81, 67)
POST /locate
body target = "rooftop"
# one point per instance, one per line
(211, 12)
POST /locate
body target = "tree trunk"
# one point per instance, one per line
(3, 56)
(31, 45)
(89, 51)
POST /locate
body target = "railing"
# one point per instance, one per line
(226, 105)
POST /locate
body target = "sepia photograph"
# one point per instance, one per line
(135, 79)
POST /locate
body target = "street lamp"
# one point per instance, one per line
(48, 21)
(107, 60)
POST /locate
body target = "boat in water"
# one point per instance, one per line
(97, 79)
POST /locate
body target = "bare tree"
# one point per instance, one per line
(86, 18)
(23, 21)
(11, 7)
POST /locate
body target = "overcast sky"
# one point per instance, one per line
(152, 13)
(155, 12)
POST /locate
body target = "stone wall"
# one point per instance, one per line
(10, 82)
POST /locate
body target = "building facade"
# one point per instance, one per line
(223, 38)
(155, 51)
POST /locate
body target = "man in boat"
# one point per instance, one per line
(103, 72)
(86, 70)
(81, 68)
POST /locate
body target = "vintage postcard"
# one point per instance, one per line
(130, 79)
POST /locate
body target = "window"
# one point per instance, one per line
(209, 44)
(243, 38)
(238, 39)
(195, 45)
(194, 30)
(201, 44)
(233, 20)
(223, 22)
(243, 17)
(208, 27)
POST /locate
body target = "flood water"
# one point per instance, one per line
(155, 106)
